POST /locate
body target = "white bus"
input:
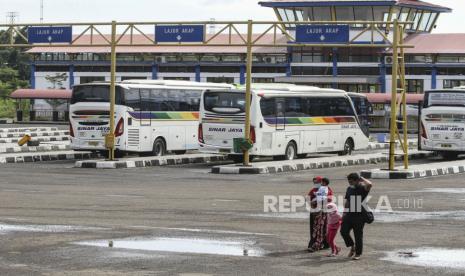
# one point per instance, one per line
(443, 122)
(151, 117)
(285, 124)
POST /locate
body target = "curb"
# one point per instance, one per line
(373, 146)
(44, 148)
(38, 139)
(413, 174)
(150, 162)
(311, 164)
(36, 129)
(33, 134)
(46, 157)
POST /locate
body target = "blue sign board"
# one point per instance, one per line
(334, 34)
(62, 34)
(179, 33)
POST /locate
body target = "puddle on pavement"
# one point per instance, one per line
(8, 228)
(185, 245)
(382, 217)
(429, 257)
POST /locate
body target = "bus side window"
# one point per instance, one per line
(280, 108)
(268, 108)
(132, 98)
(316, 107)
(145, 102)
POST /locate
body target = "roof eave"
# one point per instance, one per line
(324, 4)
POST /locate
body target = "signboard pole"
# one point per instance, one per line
(404, 97)
(111, 134)
(248, 92)
(393, 125)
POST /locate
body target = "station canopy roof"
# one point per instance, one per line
(160, 48)
(315, 3)
(436, 43)
(59, 94)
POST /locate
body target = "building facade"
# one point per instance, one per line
(437, 61)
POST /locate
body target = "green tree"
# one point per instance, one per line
(56, 82)
(14, 72)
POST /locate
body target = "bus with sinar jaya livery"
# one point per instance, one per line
(286, 123)
(442, 127)
(151, 117)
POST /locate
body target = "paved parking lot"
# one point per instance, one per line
(50, 211)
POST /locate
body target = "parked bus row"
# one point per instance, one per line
(154, 117)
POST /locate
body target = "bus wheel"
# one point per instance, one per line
(449, 155)
(179, 152)
(291, 151)
(348, 148)
(159, 147)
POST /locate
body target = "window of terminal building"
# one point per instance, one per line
(380, 13)
(450, 59)
(220, 69)
(418, 71)
(176, 69)
(424, 20)
(453, 83)
(345, 13)
(210, 58)
(414, 86)
(322, 14)
(359, 87)
(232, 58)
(309, 57)
(220, 79)
(268, 69)
(189, 58)
(451, 71)
(419, 59)
(358, 71)
(312, 71)
(90, 79)
(363, 13)
(132, 78)
(177, 78)
(263, 80)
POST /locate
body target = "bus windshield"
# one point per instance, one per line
(224, 102)
(444, 98)
(95, 93)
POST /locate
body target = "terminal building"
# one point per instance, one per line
(436, 61)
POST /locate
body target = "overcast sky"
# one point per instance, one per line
(172, 10)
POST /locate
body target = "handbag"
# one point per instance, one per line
(369, 217)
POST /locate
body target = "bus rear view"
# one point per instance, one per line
(443, 122)
(90, 116)
(222, 120)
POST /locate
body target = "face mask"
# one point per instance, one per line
(352, 186)
(317, 185)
